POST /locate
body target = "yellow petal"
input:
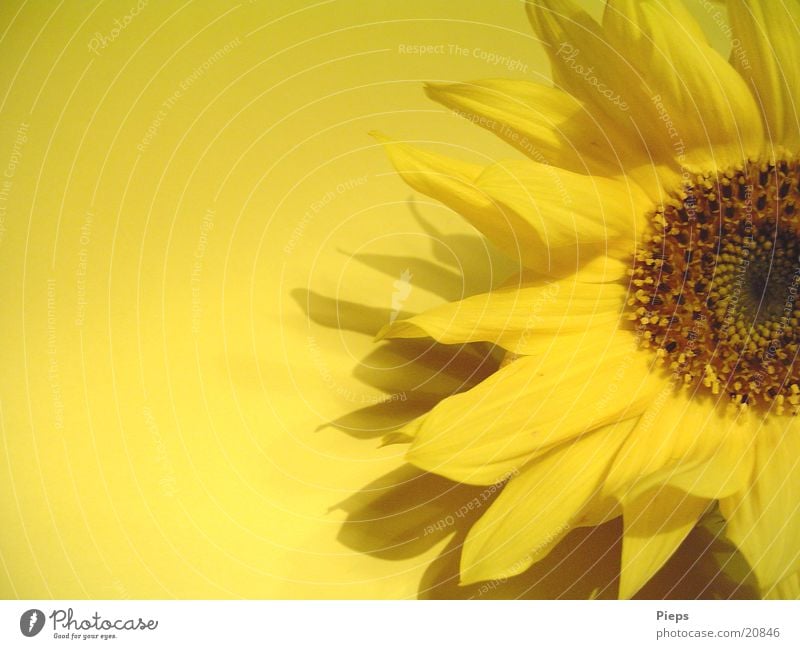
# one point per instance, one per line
(539, 506)
(765, 52)
(656, 523)
(454, 183)
(523, 320)
(546, 124)
(695, 97)
(788, 588)
(532, 404)
(569, 210)
(587, 66)
(596, 270)
(649, 70)
(687, 442)
(549, 219)
(764, 519)
(632, 19)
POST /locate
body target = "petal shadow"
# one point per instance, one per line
(585, 565)
(405, 513)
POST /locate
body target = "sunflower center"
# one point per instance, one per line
(717, 282)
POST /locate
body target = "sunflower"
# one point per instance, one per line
(651, 334)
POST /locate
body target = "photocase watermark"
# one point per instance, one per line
(484, 122)
(522, 564)
(618, 379)
(677, 376)
(53, 376)
(555, 176)
(83, 265)
(545, 297)
(101, 41)
(7, 181)
(720, 19)
(742, 264)
(522, 142)
(206, 226)
(317, 206)
(31, 622)
(167, 479)
(341, 390)
(421, 50)
(669, 124)
(568, 54)
(679, 147)
(187, 82)
(67, 626)
(453, 49)
(402, 289)
(785, 323)
(472, 505)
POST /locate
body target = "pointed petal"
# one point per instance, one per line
(764, 519)
(523, 320)
(687, 442)
(587, 66)
(550, 219)
(529, 406)
(632, 18)
(564, 28)
(656, 523)
(597, 270)
(653, 75)
(548, 125)
(692, 89)
(454, 183)
(539, 506)
(765, 53)
(788, 588)
(567, 209)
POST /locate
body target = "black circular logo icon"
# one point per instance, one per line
(31, 622)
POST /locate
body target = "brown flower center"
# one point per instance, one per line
(717, 281)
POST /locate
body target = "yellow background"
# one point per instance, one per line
(173, 212)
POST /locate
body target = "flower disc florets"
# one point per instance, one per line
(716, 285)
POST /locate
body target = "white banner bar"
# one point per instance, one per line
(400, 624)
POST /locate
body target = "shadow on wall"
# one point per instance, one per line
(408, 511)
